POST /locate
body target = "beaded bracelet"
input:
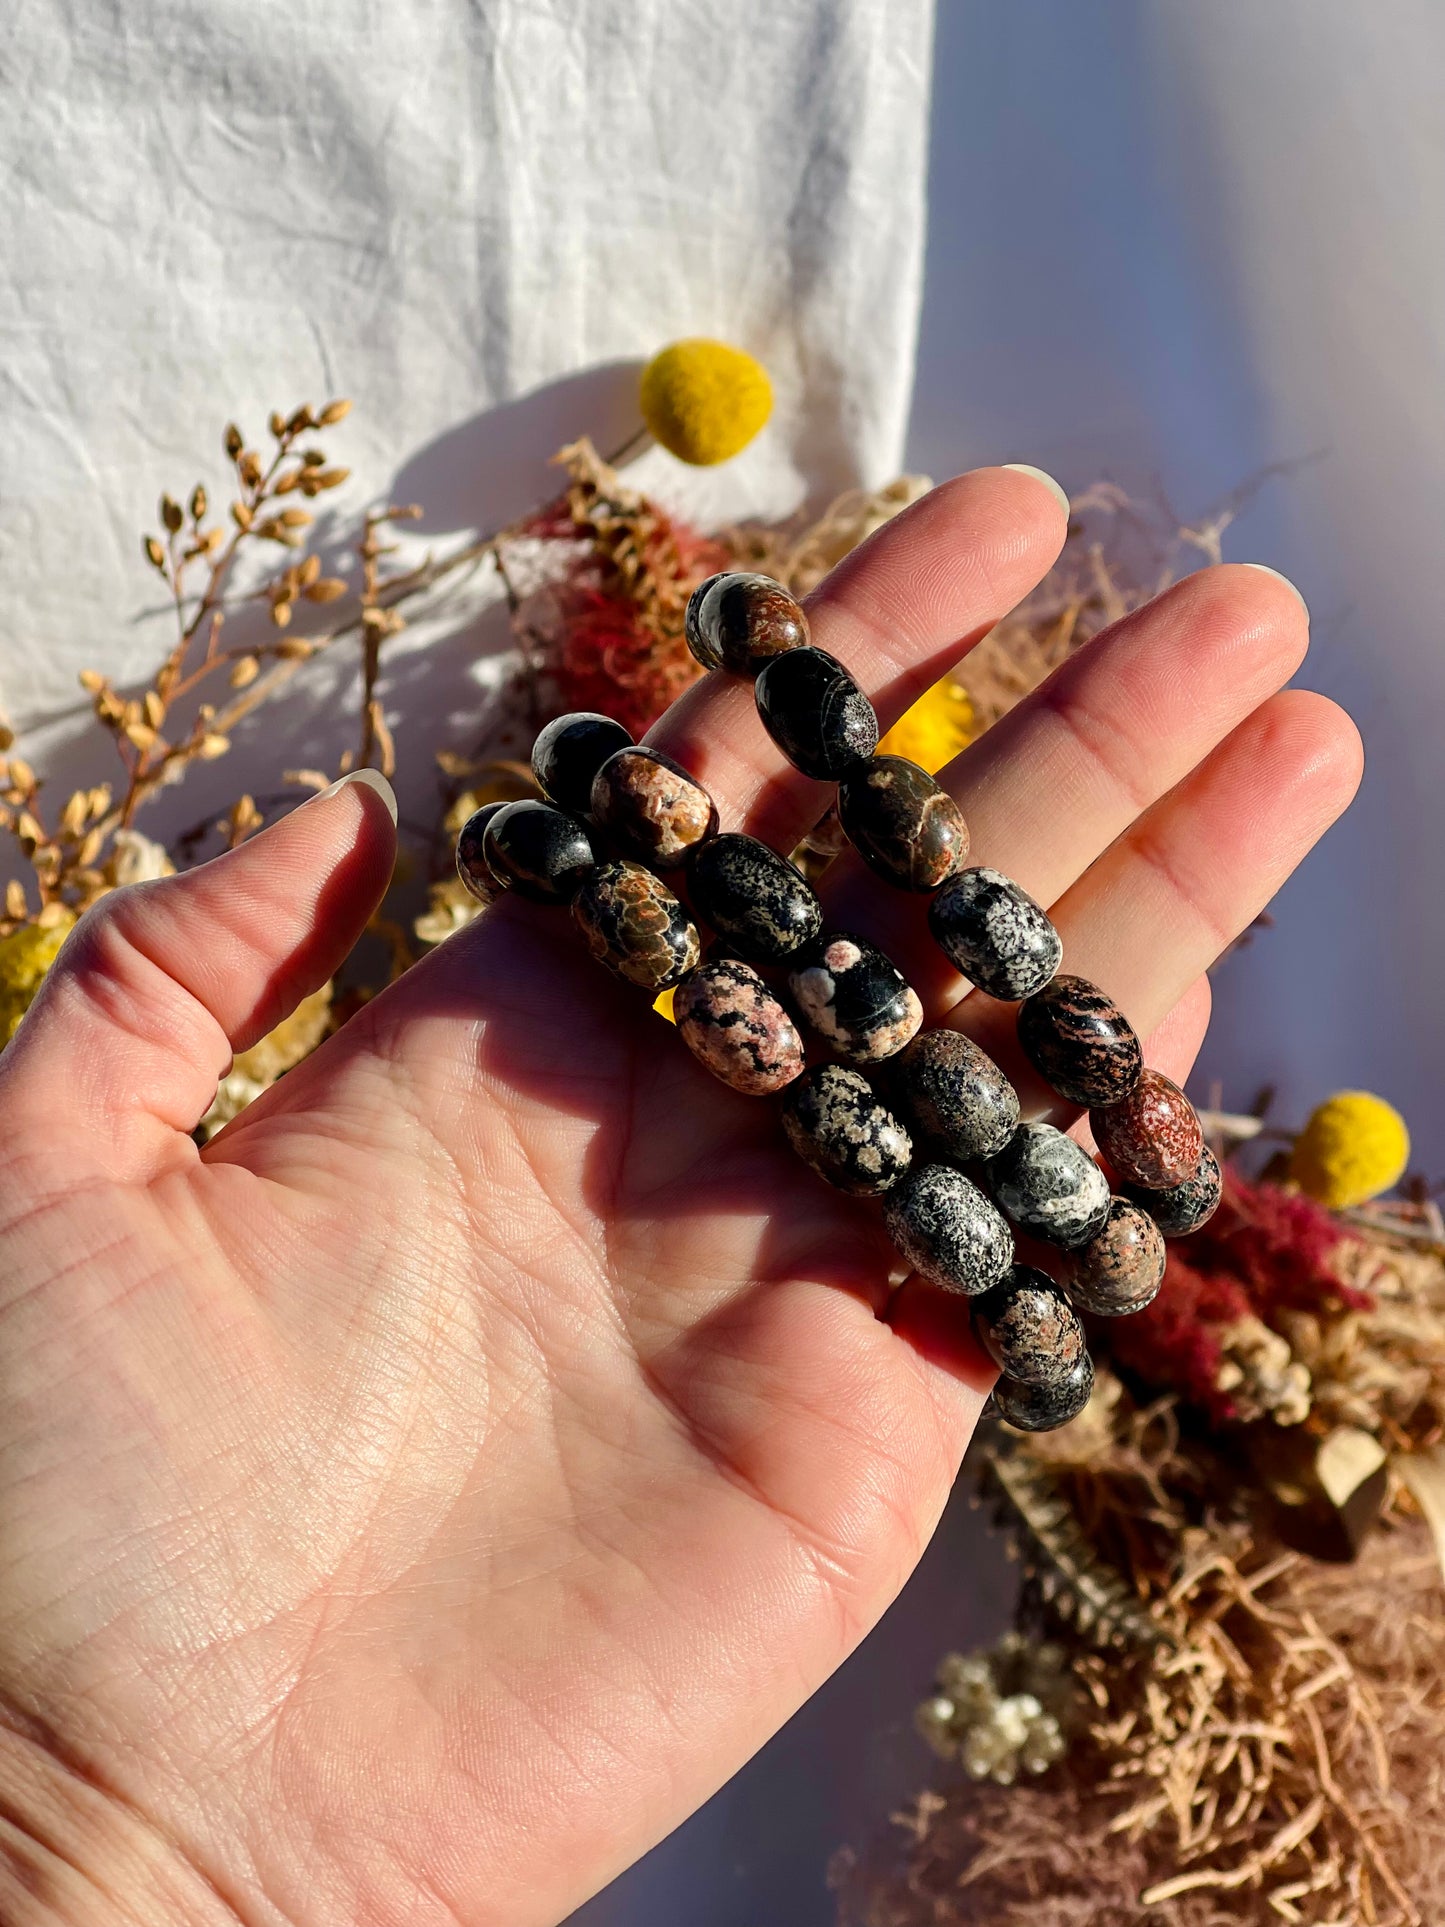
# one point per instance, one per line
(943, 1143)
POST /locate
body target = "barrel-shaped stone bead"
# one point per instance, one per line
(472, 866)
(632, 923)
(1080, 1042)
(1182, 1208)
(1153, 1136)
(836, 1123)
(1029, 1329)
(1044, 1408)
(732, 1023)
(1049, 1185)
(754, 898)
(543, 853)
(568, 753)
(954, 1096)
(816, 714)
(651, 808)
(740, 622)
(947, 1230)
(907, 829)
(1121, 1268)
(854, 997)
(995, 933)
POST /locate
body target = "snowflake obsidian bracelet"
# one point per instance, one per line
(922, 1118)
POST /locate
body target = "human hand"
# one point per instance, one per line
(420, 1499)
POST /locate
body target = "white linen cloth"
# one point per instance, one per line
(436, 207)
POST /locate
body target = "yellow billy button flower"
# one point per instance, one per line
(704, 401)
(25, 956)
(937, 727)
(1354, 1147)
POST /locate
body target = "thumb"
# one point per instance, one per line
(161, 982)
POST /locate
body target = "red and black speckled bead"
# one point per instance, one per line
(1044, 1408)
(906, 828)
(1121, 1268)
(1080, 1042)
(732, 1023)
(632, 922)
(1153, 1136)
(1029, 1329)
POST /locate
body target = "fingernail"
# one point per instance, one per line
(1039, 475)
(1265, 569)
(373, 780)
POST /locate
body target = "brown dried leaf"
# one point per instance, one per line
(330, 477)
(213, 746)
(281, 613)
(139, 736)
(72, 817)
(198, 503)
(155, 554)
(92, 681)
(155, 709)
(241, 516)
(245, 671)
(291, 479)
(21, 774)
(309, 570)
(295, 649)
(251, 469)
(28, 829)
(172, 514)
(295, 519)
(98, 802)
(276, 422)
(329, 589)
(90, 849)
(333, 412)
(234, 442)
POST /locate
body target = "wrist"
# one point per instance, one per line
(73, 1854)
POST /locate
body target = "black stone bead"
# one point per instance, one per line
(1121, 1268)
(569, 752)
(954, 1095)
(1029, 1329)
(700, 640)
(1049, 1185)
(542, 852)
(472, 866)
(652, 807)
(740, 622)
(946, 1229)
(995, 934)
(1044, 1408)
(1080, 1042)
(855, 997)
(836, 1123)
(901, 823)
(753, 898)
(1183, 1207)
(633, 923)
(816, 714)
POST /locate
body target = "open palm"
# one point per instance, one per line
(419, 1500)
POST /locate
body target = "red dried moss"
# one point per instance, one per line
(1265, 1251)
